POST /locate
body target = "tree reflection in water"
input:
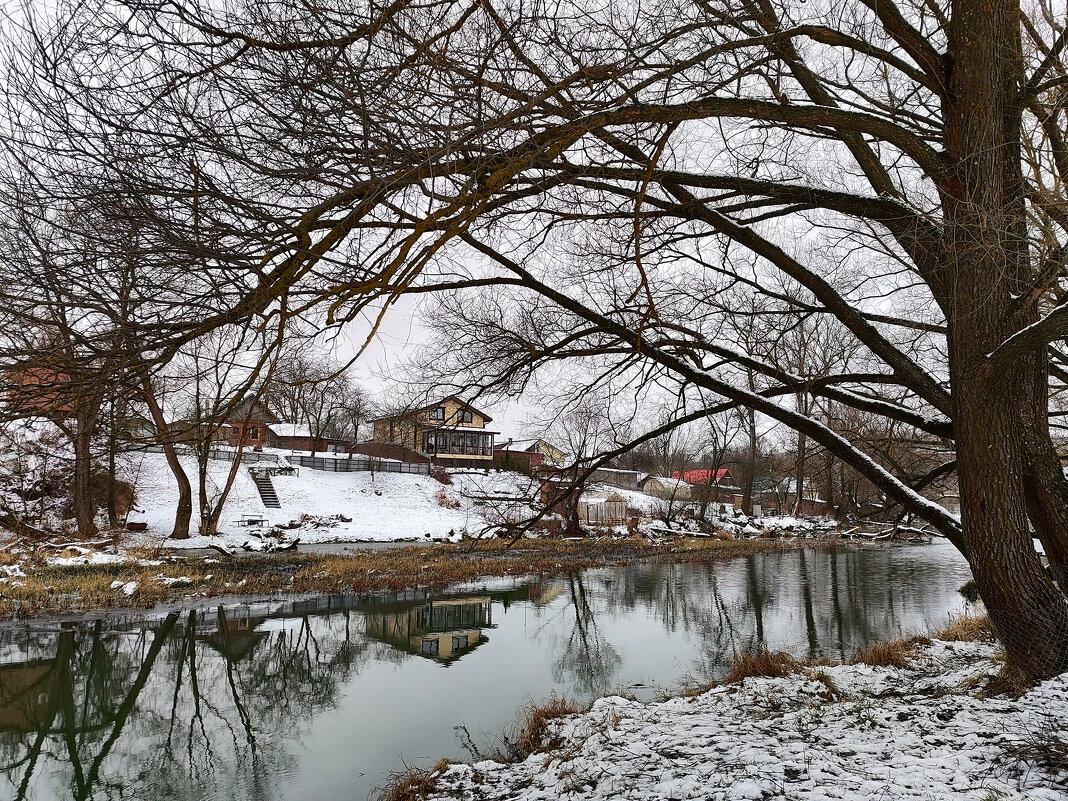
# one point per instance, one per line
(583, 658)
(161, 711)
(217, 703)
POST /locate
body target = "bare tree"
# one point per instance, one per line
(901, 165)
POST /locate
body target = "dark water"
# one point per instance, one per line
(320, 699)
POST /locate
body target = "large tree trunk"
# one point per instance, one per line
(987, 268)
(750, 473)
(1046, 489)
(184, 512)
(799, 474)
(84, 502)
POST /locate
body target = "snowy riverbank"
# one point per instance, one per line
(843, 732)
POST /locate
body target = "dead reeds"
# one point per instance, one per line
(967, 628)
(766, 664)
(532, 732)
(897, 653)
(410, 784)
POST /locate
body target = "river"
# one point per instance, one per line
(322, 698)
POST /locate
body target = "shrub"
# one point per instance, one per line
(531, 732)
(967, 628)
(410, 784)
(446, 501)
(895, 653)
(969, 590)
(769, 664)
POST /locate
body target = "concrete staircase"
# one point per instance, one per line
(266, 488)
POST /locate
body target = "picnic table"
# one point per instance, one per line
(252, 520)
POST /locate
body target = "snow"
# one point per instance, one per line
(381, 506)
(84, 556)
(290, 429)
(922, 734)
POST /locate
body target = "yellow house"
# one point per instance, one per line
(451, 432)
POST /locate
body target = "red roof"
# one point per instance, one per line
(723, 475)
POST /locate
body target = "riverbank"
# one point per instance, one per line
(34, 588)
(923, 730)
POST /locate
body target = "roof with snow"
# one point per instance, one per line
(289, 429)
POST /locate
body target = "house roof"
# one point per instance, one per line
(528, 445)
(485, 417)
(665, 480)
(252, 410)
(289, 429)
(703, 476)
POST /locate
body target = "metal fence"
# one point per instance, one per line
(226, 454)
(248, 456)
(357, 465)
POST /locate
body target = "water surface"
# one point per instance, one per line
(320, 699)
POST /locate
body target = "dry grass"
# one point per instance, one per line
(410, 784)
(532, 733)
(445, 501)
(967, 628)
(894, 653)
(831, 691)
(769, 664)
(57, 590)
(1042, 748)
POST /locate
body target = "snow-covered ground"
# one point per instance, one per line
(923, 734)
(381, 506)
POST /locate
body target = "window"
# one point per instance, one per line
(430, 645)
(437, 413)
(459, 643)
(254, 433)
(466, 416)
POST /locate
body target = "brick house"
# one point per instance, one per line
(247, 423)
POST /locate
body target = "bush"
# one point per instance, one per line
(967, 628)
(768, 664)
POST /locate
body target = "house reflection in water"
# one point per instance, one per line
(26, 695)
(235, 636)
(443, 630)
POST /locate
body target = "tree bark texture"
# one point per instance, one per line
(994, 411)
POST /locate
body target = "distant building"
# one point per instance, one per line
(40, 391)
(449, 432)
(529, 453)
(671, 489)
(706, 476)
(624, 479)
(610, 510)
(298, 437)
(247, 424)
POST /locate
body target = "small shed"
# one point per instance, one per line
(610, 511)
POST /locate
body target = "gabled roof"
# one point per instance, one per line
(527, 445)
(485, 417)
(252, 410)
(290, 430)
(703, 476)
